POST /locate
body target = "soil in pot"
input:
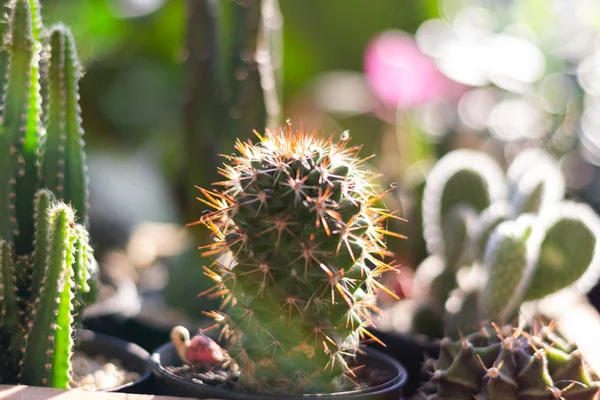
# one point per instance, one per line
(107, 363)
(381, 378)
(98, 373)
(225, 377)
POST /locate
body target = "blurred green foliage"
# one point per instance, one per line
(131, 91)
(135, 82)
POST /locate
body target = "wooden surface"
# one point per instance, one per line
(41, 393)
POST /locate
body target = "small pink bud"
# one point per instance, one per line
(204, 350)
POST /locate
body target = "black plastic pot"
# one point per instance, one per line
(408, 349)
(147, 336)
(170, 384)
(132, 357)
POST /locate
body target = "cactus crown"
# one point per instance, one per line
(298, 232)
(46, 262)
(509, 363)
(523, 244)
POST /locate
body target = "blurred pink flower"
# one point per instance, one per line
(400, 75)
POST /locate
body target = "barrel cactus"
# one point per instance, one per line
(509, 363)
(46, 262)
(299, 239)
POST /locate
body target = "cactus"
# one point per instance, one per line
(233, 82)
(298, 236)
(524, 245)
(510, 363)
(458, 189)
(234, 86)
(548, 253)
(463, 178)
(46, 262)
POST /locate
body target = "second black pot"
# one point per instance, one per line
(410, 350)
(170, 384)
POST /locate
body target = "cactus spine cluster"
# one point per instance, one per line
(509, 363)
(511, 239)
(46, 263)
(298, 235)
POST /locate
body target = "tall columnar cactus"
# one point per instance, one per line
(510, 363)
(298, 232)
(46, 262)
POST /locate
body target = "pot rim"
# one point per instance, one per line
(398, 381)
(86, 335)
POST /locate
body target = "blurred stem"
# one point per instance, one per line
(232, 89)
(411, 142)
(270, 60)
(201, 144)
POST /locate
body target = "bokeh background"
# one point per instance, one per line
(408, 79)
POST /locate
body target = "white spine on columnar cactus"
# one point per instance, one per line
(445, 168)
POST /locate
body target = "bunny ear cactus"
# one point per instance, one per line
(564, 250)
(509, 363)
(46, 262)
(505, 268)
(534, 182)
(536, 256)
(462, 178)
(459, 187)
(299, 236)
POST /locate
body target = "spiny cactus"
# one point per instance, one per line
(509, 363)
(46, 263)
(532, 257)
(462, 178)
(511, 250)
(459, 187)
(298, 232)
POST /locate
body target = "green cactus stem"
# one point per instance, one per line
(564, 250)
(46, 263)
(505, 267)
(462, 177)
(534, 182)
(48, 319)
(488, 220)
(20, 122)
(304, 231)
(456, 232)
(533, 257)
(509, 363)
(9, 315)
(63, 168)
